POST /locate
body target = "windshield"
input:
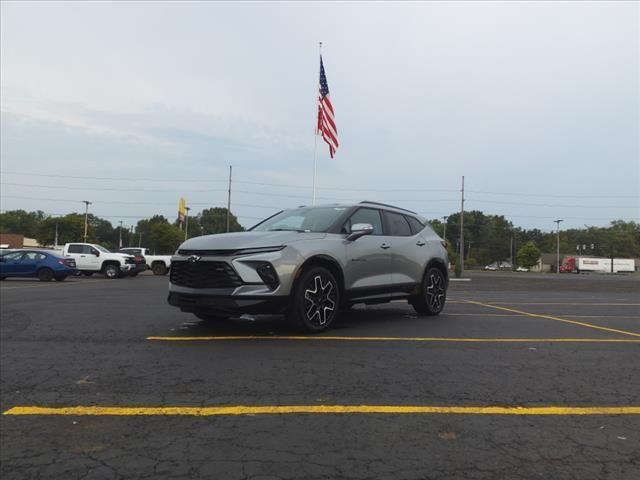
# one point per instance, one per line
(102, 249)
(307, 219)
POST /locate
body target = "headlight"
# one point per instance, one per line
(251, 251)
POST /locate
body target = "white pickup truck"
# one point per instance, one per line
(91, 258)
(158, 264)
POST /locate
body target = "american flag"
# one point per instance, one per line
(326, 121)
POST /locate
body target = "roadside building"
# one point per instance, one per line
(15, 240)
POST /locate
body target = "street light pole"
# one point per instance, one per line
(462, 229)
(120, 235)
(557, 222)
(86, 218)
(186, 223)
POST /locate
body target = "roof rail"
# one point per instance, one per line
(387, 205)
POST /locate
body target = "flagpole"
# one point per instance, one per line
(315, 144)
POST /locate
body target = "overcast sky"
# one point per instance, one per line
(538, 100)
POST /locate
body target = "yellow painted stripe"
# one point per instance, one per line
(557, 319)
(322, 409)
(581, 304)
(390, 339)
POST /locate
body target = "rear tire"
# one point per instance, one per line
(61, 278)
(87, 274)
(134, 274)
(159, 268)
(45, 274)
(111, 271)
(433, 293)
(315, 301)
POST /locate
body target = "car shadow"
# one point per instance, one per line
(276, 325)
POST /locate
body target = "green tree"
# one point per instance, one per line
(21, 222)
(70, 229)
(528, 255)
(158, 235)
(214, 220)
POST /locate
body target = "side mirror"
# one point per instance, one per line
(360, 230)
(96, 253)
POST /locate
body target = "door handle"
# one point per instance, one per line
(385, 246)
(82, 256)
(420, 243)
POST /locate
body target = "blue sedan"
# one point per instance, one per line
(35, 263)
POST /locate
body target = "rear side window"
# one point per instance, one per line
(34, 256)
(398, 225)
(415, 224)
(75, 249)
(365, 215)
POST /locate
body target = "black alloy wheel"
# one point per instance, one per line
(316, 300)
(434, 293)
(45, 274)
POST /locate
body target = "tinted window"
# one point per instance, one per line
(398, 225)
(415, 225)
(365, 215)
(75, 248)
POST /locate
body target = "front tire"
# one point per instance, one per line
(111, 271)
(433, 293)
(315, 301)
(45, 274)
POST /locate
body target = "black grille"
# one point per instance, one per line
(204, 274)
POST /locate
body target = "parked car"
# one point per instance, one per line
(309, 262)
(158, 264)
(522, 269)
(503, 265)
(44, 265)
(91, 258)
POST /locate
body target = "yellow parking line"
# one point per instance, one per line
(321, 409)
(557, 319)
(389, 339)
(582, 304)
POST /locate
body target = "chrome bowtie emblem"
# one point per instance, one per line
(194, 258)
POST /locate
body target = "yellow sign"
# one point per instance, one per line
(182, 209)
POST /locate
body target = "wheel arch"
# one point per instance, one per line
(109, 262)
(327, 262)
(440, 265)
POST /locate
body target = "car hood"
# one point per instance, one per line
(232, 241)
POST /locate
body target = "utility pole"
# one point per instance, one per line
(140, 239)
(444, 222)
(511, 249)
(86, 218)
(557, 222)
(186, 223)
(462, 229)
(229, 200)
(120, 235)
(55, 242)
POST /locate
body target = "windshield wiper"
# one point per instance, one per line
(287, 230)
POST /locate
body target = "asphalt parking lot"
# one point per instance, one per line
(523, 376)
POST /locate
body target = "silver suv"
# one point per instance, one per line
(310, 262)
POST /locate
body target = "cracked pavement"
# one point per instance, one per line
(83, 342)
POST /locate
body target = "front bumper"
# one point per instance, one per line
(228, 304)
